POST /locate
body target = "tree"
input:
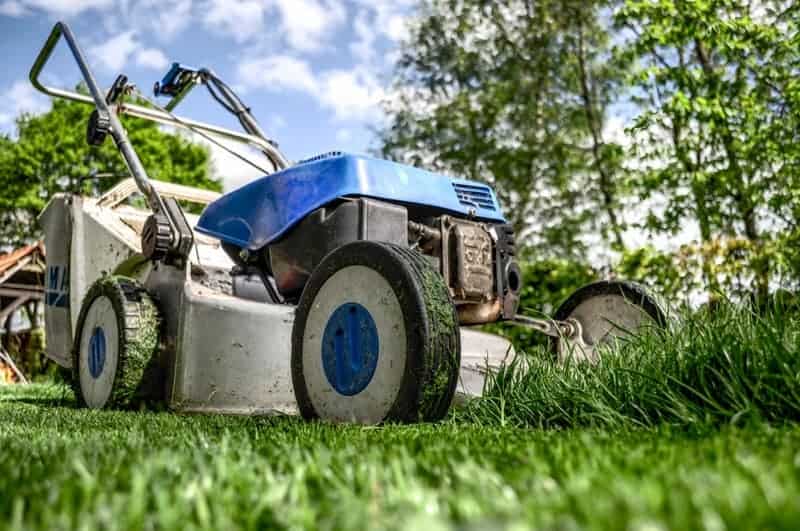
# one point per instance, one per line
(50, 155)
(718, 127)
(516, 94)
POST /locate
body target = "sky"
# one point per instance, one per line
(313, 71)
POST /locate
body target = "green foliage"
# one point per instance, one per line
(515, 94)
(719, 110)
(50, 155)
(519, 94)
(679, 275)
(728, 366)
(664, 273)
(545, 285)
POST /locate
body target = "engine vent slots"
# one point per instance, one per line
(474, 195)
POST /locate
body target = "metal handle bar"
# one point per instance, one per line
(98, 100)
(138, 111)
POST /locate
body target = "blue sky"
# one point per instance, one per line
(313, 71)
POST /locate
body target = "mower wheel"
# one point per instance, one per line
(605, 312)
(114, 357)
(375, 338)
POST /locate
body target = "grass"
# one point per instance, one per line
(695, 430)
(726, 368)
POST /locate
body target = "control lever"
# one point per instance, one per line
(117, 90)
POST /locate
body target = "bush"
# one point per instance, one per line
(27, 349)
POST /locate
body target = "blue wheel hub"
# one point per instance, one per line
(97, 352)
(350, 348)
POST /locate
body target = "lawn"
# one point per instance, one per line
(515, 459)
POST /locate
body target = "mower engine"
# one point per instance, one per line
(476, 258)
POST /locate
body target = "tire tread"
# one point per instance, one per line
(138, 324)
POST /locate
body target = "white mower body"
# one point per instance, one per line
(223, 353)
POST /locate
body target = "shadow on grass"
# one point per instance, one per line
(44, 402)
(53, 395)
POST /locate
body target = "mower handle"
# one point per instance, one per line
(98, 100)
(138, 111)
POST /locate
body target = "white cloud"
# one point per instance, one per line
(158, 20)
(363, 47)
(396, 27)
(344, 136)
(56, 7)
(151, 58)
(278, 72)
(308, 24)
(351, 94)
(20, 98)
(376, 22)
(233, 171)
(240, 19)
(163, 20)
(10, 8)
(115, 52)
(391, 16)
(305, 25)
(23, 98)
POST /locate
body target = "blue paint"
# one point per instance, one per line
(97, 352)
(261, 211)
(350, 349)
(56, 291)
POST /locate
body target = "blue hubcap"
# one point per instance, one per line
(97, 352)
(350, 349)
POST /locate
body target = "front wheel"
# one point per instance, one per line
(375, 338)
(114, 359)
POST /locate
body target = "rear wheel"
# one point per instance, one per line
(116, 342)
(605, 312)
(375, 338)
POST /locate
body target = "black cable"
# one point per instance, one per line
(219, 100)
(238, 109)
(208, 137)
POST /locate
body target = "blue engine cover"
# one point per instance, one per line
(261, 211)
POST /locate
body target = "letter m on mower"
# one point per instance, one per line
(57, 288)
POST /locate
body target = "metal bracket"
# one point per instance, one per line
(549, 327)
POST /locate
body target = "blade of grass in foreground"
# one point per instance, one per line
(64, 468)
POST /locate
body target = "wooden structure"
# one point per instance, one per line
(22, 277)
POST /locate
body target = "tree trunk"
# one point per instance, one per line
(744, 204)
(594, 123)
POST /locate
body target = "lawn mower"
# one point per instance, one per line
(340, 286)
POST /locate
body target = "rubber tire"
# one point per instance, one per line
(636, 293)
(137, 379)
(433, 339)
